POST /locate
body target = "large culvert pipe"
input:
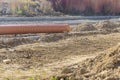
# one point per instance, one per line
(25, 29)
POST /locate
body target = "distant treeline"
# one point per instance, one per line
(87, 7)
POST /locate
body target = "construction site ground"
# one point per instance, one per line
(48, 55)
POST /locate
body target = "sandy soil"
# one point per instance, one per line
(50, 54)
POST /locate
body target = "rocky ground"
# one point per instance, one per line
(79, 55)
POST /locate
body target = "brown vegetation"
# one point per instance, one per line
(38, 7)
(88, 7)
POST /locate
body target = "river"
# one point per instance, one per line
(71, 20)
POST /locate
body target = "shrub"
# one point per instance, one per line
(20, 12)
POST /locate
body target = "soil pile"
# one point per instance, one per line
(103, 26)
(12, 41)
(7, 42)
(84, 27)
(105, 66)
(54, 37)
(107, 26)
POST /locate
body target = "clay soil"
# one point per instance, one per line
(67, 56)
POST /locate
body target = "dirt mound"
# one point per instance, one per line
(84, 27)
(106, 66)
(102, 26)
(54, 37)
(107, 26)
(11, 41)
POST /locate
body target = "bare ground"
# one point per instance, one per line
(44, 59)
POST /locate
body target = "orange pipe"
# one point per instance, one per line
(25, 29)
